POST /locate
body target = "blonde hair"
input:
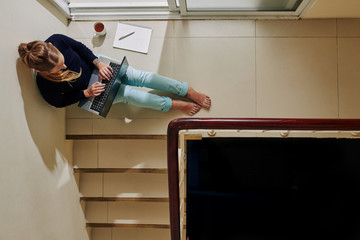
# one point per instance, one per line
(43, 57)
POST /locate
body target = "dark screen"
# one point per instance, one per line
(273, 188)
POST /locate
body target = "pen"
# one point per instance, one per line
(127, 35)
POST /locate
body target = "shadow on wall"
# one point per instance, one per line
(46, 123)
(54, 11)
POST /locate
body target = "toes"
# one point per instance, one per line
(199, 98)
(207, 102)
(196, 108)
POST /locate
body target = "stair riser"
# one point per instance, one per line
(124, 185)
(130, 234)
(128, 212)
(120, 154)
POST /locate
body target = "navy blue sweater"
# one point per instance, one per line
(77, 56)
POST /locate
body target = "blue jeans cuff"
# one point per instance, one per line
(168, 104)
(184, 89)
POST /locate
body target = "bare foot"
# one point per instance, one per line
(200, 98)
(186, 107)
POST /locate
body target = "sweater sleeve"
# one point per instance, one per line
(83, 51)
(51, 92)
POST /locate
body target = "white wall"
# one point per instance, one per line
(39, 197)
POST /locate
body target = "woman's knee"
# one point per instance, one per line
(145, 79)
(137, 77)
(150, 76)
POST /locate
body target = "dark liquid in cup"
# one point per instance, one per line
(99, 27)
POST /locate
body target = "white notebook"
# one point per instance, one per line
(136, 38)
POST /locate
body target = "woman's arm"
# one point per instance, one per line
(52, 93)
(94, 90)
(105, 71)
(84, 52)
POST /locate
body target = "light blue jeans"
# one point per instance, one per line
(138, 78)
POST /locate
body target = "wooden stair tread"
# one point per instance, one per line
(120, 170)
(116, 136)
(127, 225)
(128, 199)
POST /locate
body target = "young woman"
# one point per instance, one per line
(64, 67)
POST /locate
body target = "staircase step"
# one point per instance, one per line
(109, 233)
(120, 170)
(106, 136)
(123, 185)
(123, 199)
(128, 214)
(127, 185)
(140, 153)
(126, 225)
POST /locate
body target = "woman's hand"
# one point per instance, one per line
(105, 71)
(94, 90)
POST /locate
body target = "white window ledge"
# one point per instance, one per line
(155, 11)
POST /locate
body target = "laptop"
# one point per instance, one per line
(100, 105)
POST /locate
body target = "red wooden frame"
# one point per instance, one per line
(237, 124)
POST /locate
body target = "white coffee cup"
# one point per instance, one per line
(99, 29)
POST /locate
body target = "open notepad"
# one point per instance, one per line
(132, 37)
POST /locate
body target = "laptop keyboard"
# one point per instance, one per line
(99, 101)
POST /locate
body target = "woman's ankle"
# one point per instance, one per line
(186, 107)
(200, 98)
